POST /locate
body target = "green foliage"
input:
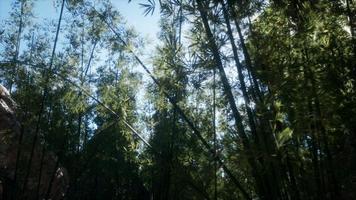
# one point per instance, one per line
(284, 127)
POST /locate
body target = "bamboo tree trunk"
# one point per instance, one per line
(319, 126)
(315, 160)
(79, 130)
(261, 143)
(295, 189)
(40, 172)
(17, 47)
(226, 85)
(273, 171)
(215, 142)
(352, 23)
(246, 54)
(228, 94)
(240, 76)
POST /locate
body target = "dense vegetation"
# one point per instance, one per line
(242, 99)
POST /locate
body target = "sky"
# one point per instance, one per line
(146, 26)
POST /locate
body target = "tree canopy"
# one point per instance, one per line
(240, 99)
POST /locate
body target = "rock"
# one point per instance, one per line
(13, 172)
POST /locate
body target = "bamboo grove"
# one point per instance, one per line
(240, 99)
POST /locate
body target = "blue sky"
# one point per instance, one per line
(147, 26)
(133, 13)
